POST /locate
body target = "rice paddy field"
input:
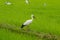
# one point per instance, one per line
(47, 13)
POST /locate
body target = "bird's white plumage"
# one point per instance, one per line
(27, 22)
(27, 2)
(8, 3)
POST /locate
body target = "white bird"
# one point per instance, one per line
(28, 21)
(27, 2)
(8, 3)
(45, 4)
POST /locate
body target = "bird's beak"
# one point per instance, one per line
(33, 16)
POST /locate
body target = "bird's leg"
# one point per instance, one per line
(28, 29)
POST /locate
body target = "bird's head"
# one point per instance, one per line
(32, 16)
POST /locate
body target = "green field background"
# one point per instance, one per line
(47, 17)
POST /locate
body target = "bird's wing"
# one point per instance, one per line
(27, 22)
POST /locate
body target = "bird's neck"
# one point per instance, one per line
(32, 18)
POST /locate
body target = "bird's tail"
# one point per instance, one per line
(22, 26)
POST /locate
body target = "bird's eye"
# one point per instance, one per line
(33, 16)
